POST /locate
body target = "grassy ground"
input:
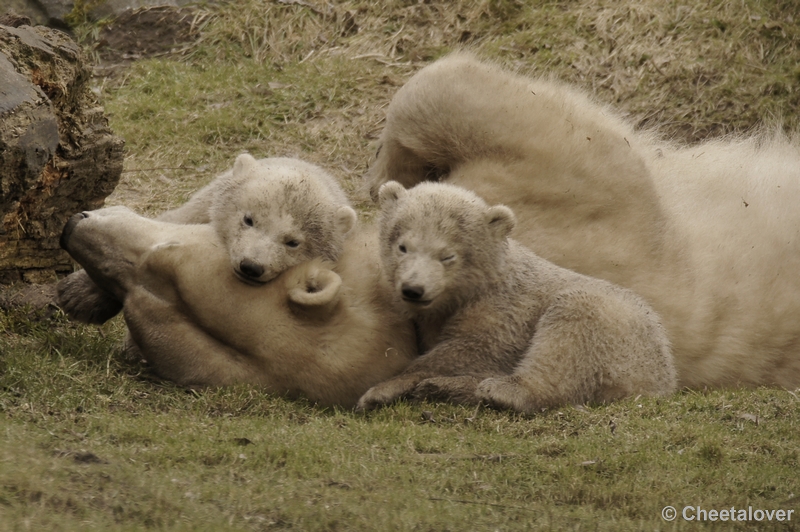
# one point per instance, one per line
(88, 440)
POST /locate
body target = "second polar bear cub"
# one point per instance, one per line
(500, 324)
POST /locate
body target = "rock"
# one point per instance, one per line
(57, 153)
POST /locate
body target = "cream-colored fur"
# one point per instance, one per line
(498, 323)
(709, 235)
(322, 331)
(270, 215)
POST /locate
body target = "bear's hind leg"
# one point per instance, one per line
(562, 365)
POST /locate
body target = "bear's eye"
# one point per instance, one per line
(402, 248)
(292, 243)
(449, 258)
(248, 220)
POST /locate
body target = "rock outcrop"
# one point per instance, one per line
(57, 153)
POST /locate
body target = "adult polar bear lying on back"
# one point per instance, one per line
(321, 331)
(708, 235)
(270, 214)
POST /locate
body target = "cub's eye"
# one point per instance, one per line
(292, 243)
(248, 220)
(449, 258)
(402, 248)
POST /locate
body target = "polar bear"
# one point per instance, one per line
(709, 235)
(326, 332)
(270, 215)
(497, 323)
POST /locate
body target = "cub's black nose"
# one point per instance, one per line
(69, 227)
(412, 292)
(251, 268)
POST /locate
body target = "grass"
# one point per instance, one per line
(89, 440)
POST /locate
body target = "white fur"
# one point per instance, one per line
(270, 214)
(326, 332)
(708, 235)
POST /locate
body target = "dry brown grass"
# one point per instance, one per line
(321, 73)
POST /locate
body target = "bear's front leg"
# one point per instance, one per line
(389, 391)
(82, 300)
(457, 390)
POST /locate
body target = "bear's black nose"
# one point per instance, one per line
(69, 227)
(412, 292)
(251, 269)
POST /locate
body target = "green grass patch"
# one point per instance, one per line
(89, 440)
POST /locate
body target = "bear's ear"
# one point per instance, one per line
(501, 220)
(389, 193)
(244, 163)
(345, 219)
(317, 288)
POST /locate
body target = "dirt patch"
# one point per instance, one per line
(143, 33)
(35, 298)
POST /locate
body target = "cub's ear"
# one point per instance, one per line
(244, 163)
(389, 193)
(345, 219)
(501, 220)
(317, 286)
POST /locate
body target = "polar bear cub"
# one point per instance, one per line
(500, 324)
(270, 214)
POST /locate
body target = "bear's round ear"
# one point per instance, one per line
(345, 219)
(390, 192)
(501, 220)
(318, 287)
(244, 163)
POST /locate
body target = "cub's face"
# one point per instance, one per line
(439, 244)
(424, 267)
(272, 218)
(262, 243)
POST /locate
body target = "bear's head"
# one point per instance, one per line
(440, 244)
(276, 213)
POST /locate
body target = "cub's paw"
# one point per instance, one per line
(505, 393)
(387, 392)
(84, 301)
(457, 390)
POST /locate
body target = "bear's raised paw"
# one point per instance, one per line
(82, 300)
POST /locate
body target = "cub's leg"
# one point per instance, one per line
(451, 371)
(390, 391)
(587, 347)
(457, 390)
